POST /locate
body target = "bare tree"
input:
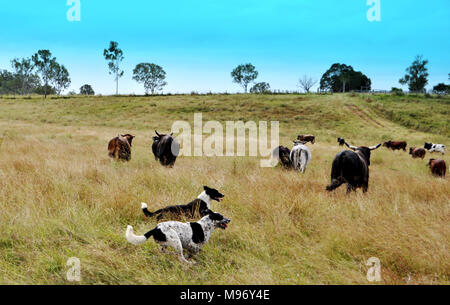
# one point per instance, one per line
(306, 83)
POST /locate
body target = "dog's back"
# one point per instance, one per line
(190, 210)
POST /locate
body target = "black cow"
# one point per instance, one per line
(351, 168)
(166, 149)
(155, 147)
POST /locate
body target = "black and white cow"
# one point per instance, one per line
(435, 148)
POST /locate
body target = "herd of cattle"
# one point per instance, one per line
(349, 167)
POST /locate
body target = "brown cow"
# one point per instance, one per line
(438, 167)
(396, 145)
(417, 152)
(306, 138)
(120, 147)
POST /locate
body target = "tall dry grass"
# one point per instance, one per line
(62, 197)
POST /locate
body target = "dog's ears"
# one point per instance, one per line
(206, 188)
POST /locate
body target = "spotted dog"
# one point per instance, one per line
(191, 236)
(202, 205)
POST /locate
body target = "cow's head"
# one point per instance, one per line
(213, 193)
(411, 149)
(364, 151)
(161, 135)
(387, 144)
(428, 145)
(128, 137)
(431, 162)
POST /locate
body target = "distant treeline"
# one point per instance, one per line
(42, 74)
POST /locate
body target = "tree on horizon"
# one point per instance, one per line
(244, 75)
(45, 65)
(151, 75)
(343, 78)
(416, 76)
(114, 56)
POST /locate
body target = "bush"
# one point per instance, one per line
(441, 89)
(397, 91)
(260, 88)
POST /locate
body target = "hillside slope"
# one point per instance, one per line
(62, 197)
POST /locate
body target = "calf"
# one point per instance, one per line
(438, 167)
(351, 167)
(306, 138)
(417, 152)
(120, 147)
(396, 145)
(435, 148)
(165, 148)
(282, 154)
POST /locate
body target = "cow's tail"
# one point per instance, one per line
(305, 156)
(135, 239)
(146, 211)
(296, 158)
(336, 175)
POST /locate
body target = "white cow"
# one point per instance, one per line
(300, 156)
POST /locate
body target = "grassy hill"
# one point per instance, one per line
(61, 196)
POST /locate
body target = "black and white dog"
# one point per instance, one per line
(202, 205)
(191, 236)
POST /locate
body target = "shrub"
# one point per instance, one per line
(260, 88)
(397, 91)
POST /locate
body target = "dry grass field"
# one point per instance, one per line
(61, 196)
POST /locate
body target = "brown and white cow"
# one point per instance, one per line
(306, 138)
(438, 167)
(417, 152)
(395, 145)
(120, 147)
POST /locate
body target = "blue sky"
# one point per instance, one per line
(199, 42)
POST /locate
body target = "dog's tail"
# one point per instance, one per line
(146, 211)
(134, 239)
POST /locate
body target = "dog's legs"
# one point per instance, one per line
(174, 241)
(193, 249)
